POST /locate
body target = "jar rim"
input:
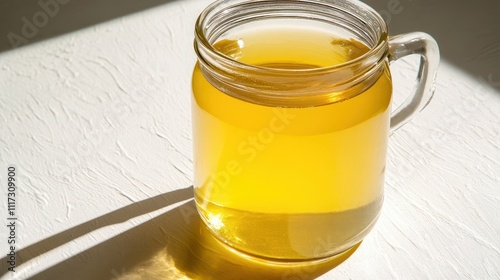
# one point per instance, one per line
(308, 86)
(221, 5)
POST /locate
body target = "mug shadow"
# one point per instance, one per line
(173, 245)
(115, 217)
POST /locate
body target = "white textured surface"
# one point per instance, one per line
(99, 119)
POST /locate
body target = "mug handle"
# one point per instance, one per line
(424, 45)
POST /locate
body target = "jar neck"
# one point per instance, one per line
(307, 87)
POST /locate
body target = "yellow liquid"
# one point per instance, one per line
(295, 183)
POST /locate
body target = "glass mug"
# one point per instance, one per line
(291, 119)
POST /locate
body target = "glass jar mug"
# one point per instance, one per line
(291, 118)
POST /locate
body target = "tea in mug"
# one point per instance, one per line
(296, 182)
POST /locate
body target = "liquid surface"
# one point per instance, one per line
(290, 183)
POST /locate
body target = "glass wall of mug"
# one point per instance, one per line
(291, 119)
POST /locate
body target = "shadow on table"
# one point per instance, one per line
(23, 22)
(118, 216)
(466, 31)
(174, 245)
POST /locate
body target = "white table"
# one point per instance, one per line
(96, 122)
